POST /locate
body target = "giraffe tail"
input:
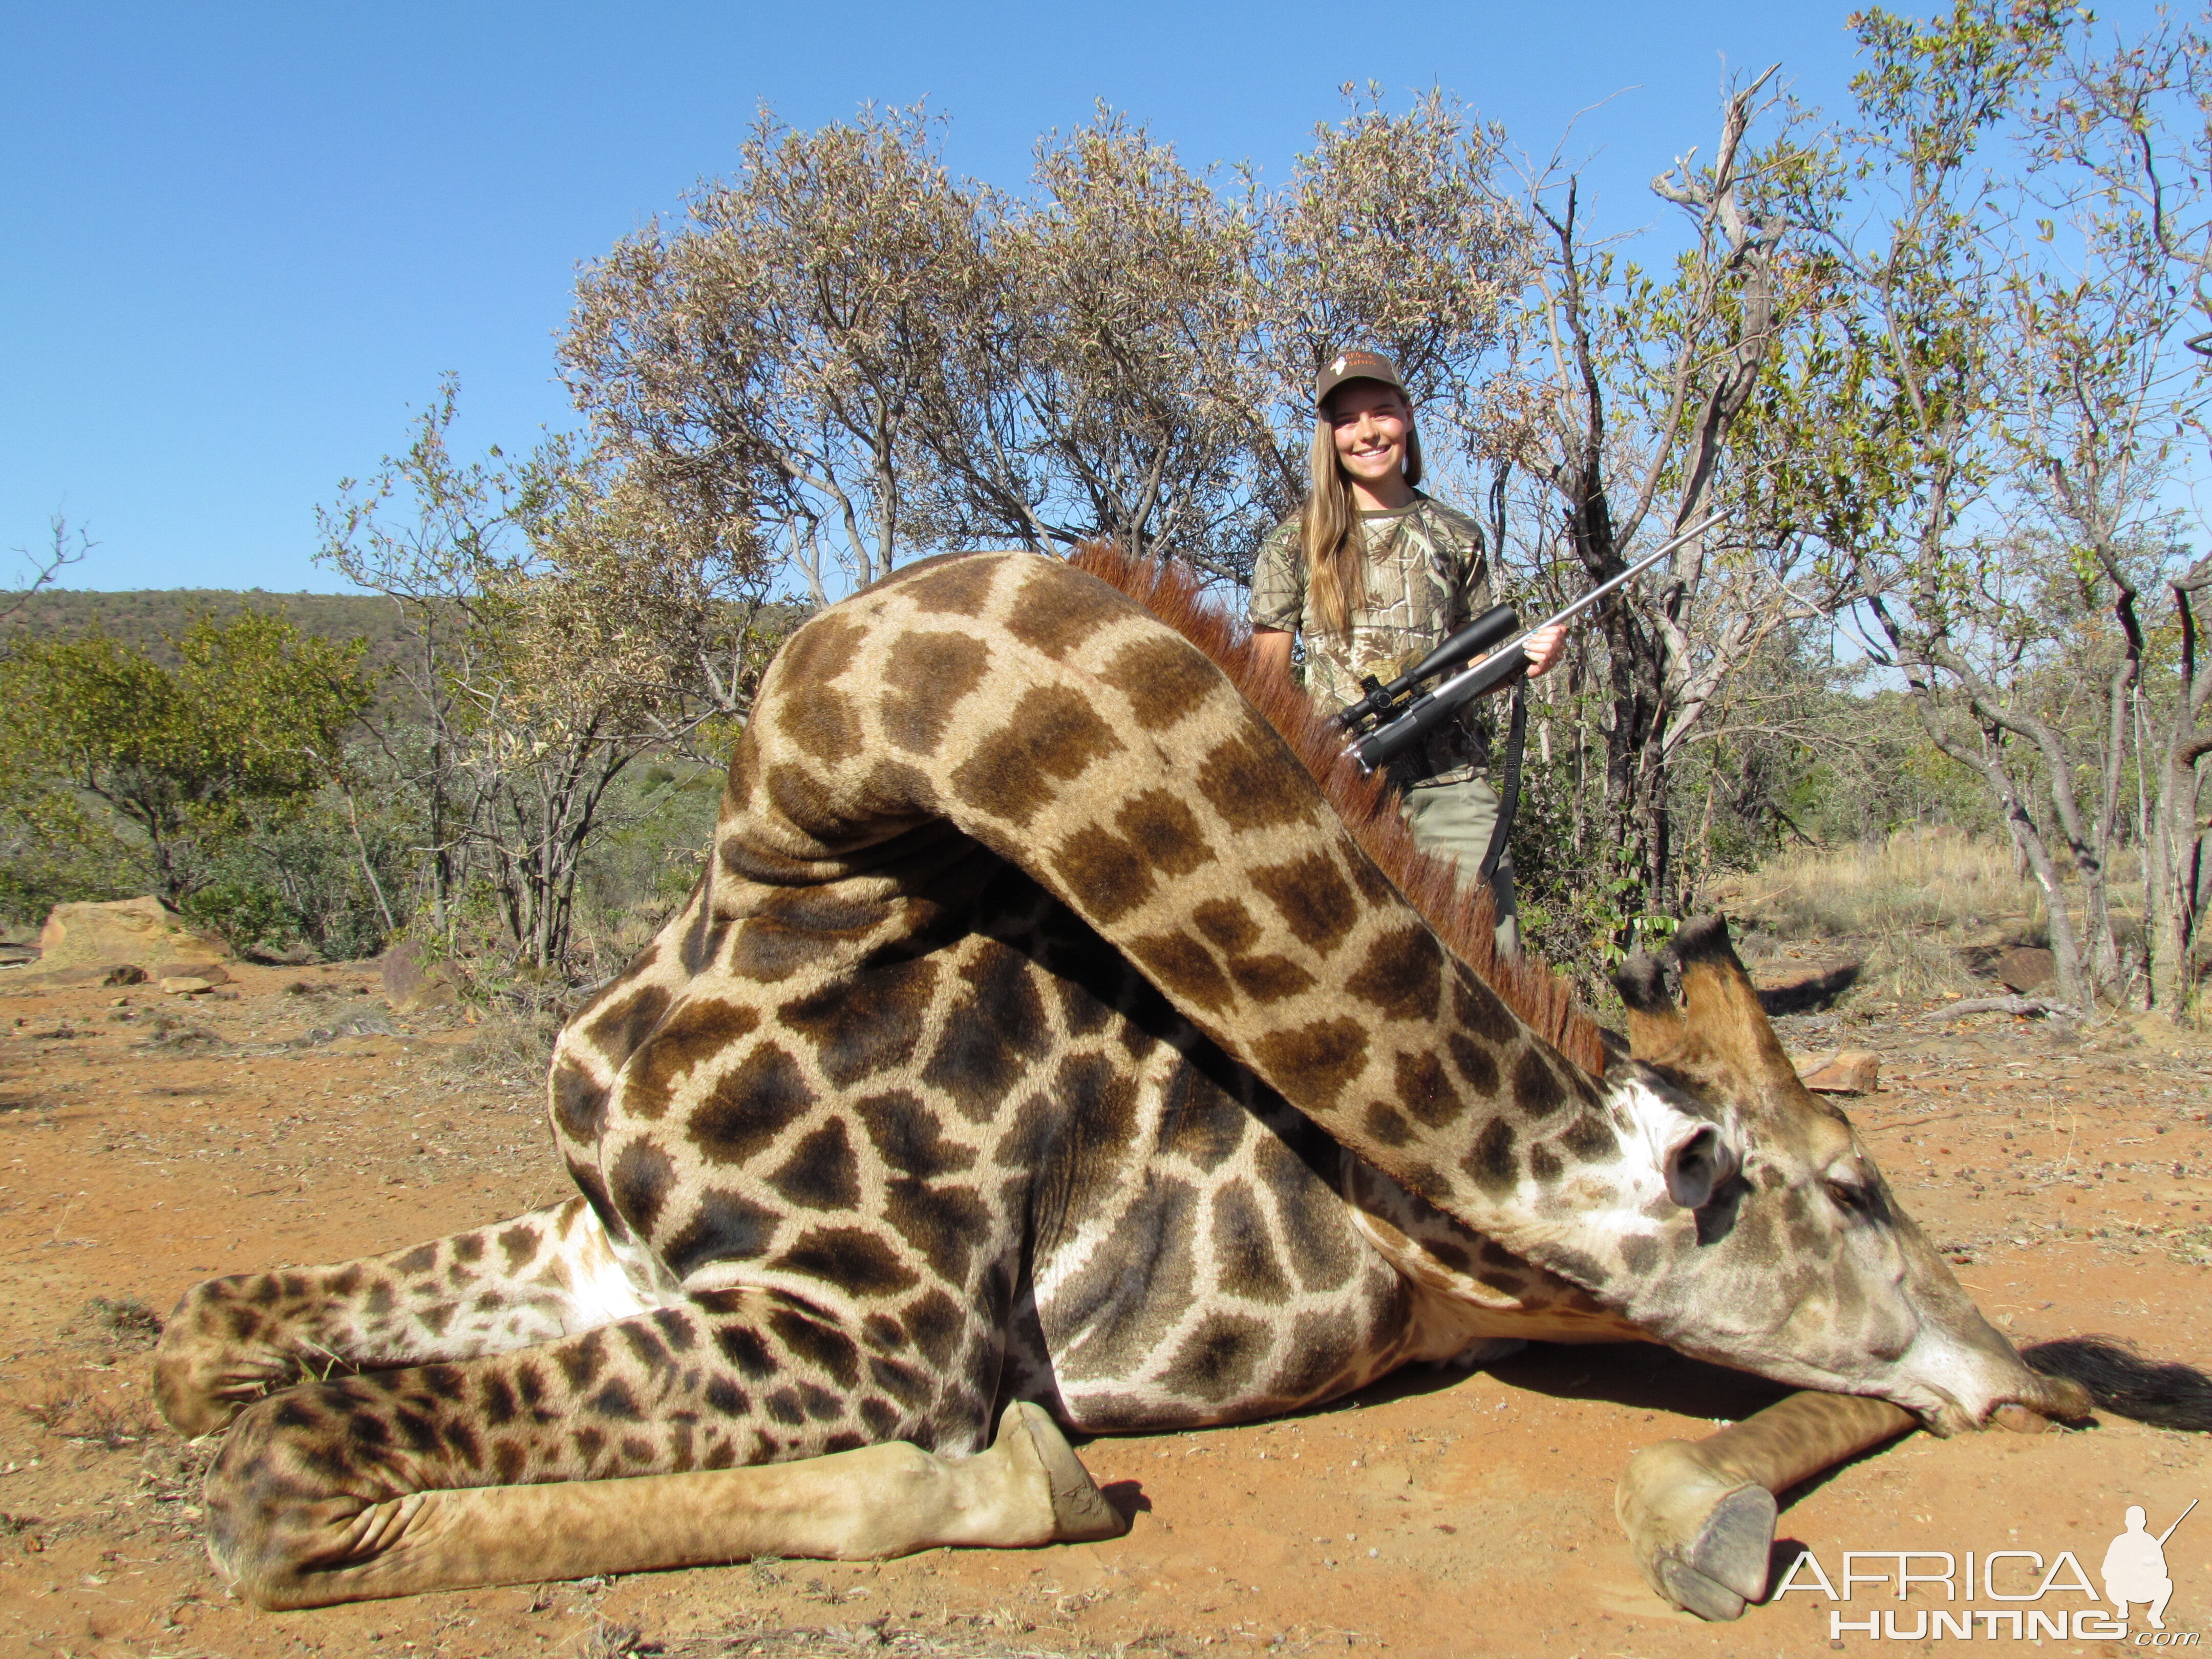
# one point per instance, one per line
(2160, 1392)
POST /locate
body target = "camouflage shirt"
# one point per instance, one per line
(1426, 575)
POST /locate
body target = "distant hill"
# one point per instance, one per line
(145, 616)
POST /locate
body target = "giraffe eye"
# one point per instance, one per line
(1850, 1197)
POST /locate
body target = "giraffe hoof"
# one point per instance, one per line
(1080, 1513)
(1700, 1540)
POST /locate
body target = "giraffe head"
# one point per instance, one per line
(1783, 1250)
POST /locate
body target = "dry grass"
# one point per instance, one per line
(1921, 911)
(121, 1322)
(1915, 880)
(1912, 907)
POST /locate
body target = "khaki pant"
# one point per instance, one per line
(1454, 821)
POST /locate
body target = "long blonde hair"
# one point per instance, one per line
(1328, 527)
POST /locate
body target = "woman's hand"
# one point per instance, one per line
(1545, 646)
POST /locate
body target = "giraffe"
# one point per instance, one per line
(1061, 1036)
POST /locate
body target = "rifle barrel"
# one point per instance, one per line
(1376, 747)
(2177, 1520)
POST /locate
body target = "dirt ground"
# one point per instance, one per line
(147, 1142)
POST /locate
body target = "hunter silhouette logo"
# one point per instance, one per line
(2135, 1566)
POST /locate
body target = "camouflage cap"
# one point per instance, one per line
(1355, 365)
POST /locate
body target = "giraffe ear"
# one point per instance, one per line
(1698, 1166)
(1721, 1005)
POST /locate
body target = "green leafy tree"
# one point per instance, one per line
(248, 725)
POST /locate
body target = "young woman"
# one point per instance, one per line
(1374, 575)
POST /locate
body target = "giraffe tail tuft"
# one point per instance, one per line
(2159, 1392)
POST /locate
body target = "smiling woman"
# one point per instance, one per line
(1375, 573)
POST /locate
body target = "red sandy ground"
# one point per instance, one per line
(1443, 1513)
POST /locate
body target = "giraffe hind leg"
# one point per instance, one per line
(234, 1340)
(871, 1503)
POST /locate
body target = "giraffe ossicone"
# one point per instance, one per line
(1059, 1024)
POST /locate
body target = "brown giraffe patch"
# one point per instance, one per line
(1217, 1357)
(1183, 967)
(823, 723)
(804, 797)
(1491, 1163)
(1255, 783)
(701, 1029)
(1054, 616)
(851, 1258)
(719, 1225)
(946, 1224)
(1474, 1064)
(869, 1026)
(1053, 736)
(639, 1182)
(1536, 1085)
(1324, 1056)
(1386, 1124)
(1402, 974)
(821, 651)
(1425, 1091)
(928, 676)
(960, 587)
(1269, 979)
(750, 1106)
(1164, 681)
(1244, 1255)
(619, 1026)
(1165, 832)
(991, 1037)
(821, 1173)
(1313, 901)
(1228, 924)
(580, 1105)
(1108, 876)
(1478, 1008)
(909, 1139)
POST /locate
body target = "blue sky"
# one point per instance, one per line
(241, 242)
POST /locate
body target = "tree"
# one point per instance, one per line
(864, 358)
(2021, 395)
(566, 620)
(63, 550)
(2129, 126)
(1640, 408)
(1101, 375)
(251, 722)
(767, 367)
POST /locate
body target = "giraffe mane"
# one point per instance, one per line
(1464, 915)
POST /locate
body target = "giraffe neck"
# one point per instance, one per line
(1044, 715)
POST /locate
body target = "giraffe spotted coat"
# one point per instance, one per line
(1041, 1029)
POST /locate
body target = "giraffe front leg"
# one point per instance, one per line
(232, 1341)
(1700, 1515)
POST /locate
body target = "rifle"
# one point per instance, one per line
(1401, 720)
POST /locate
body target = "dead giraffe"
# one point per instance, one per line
(1055, 1038)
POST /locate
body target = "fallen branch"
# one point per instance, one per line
(1910, 1122)
(2003, 1006)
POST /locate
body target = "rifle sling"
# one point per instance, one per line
(1509, 798)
